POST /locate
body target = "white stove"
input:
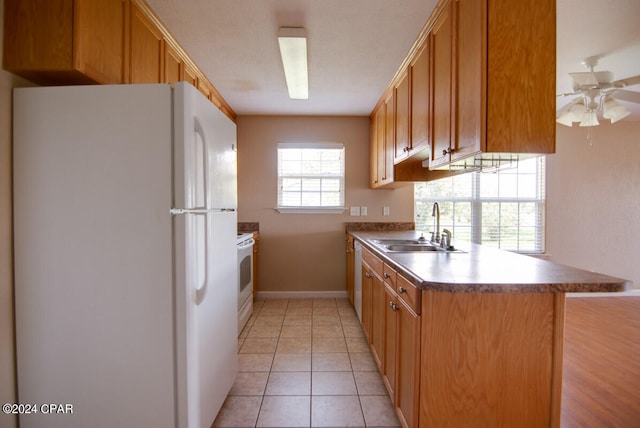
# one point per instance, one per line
(245, 278)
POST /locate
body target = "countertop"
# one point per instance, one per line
(479, 269)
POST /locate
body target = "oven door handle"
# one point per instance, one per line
(246, 244)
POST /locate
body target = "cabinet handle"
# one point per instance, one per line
(401, 290)
(367, 275)
(405, 149)
(393, 306)
(447, 151)
(386, 275)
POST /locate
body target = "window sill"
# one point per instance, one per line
(311, 210)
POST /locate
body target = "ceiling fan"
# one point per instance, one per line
(596, 92)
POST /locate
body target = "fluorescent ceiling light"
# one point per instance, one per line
(293, 50)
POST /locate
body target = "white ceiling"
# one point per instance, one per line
(356, 46)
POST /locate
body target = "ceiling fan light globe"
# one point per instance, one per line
(565, 119)
(577, 113)
(620, 116)
(590, 119)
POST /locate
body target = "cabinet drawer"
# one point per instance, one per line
(374, 262)
(409, 293)
(389, 275)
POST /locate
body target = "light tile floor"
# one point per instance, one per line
(305, 363)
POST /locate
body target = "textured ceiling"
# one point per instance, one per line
(356, 46)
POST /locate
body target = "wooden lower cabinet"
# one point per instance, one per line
(481, 360)
(350, 266)
(392, 329)
(378, 304)
(402, 358)
(390, 348)
(407, 396)
(367, 281)
(491, 359)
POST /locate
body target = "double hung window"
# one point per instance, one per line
(311, 177)
(504, 209)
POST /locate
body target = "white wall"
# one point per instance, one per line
(593, 199)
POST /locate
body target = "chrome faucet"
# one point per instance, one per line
(436, 213)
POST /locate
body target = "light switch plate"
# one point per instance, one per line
(385, 211)
(355, 211)
(363, 210)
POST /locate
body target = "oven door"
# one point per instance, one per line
(245, 281)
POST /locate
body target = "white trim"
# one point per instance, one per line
(301, 294)
(311, 145)
(631, 293)
(311, 210)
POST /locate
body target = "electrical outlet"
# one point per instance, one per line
(385, 211)
(363, 210)
(355, 211)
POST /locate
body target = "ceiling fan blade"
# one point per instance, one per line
(569, 94)
(630, 96)
(585, 78)
(629, 81)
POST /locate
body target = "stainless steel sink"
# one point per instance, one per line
(412, 247)
(405, 245)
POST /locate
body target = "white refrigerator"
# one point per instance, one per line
(125, 255)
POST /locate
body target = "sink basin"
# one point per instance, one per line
(409, 247)
(399, 242)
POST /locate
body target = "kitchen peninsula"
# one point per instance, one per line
(472, 337)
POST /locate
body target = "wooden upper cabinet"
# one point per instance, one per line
(146, 49)
(402, 119)
(521, 75)
(443, 90)
(386, 159)
(64, 41)
(173, 65)
(421, 99)
(376, 136)
(189, 74)
(481, 80)
(470, 78)
(205, 88)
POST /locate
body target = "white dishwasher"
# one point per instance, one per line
(357, 278)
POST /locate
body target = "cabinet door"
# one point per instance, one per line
(173, 65)
(443, 87)
(350, 267)
(420, 98)
(378, 304)
(390, 351)
(408, 364)
(376, 132)
(204, 88)
(367, 279)
(99, 39)
(189, 74)
(471, 77)
(387, 149)
(146, 51)
(402, 138)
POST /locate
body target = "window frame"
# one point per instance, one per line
(341, 176)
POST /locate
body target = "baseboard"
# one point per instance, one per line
(631, 293)
(301, 295)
